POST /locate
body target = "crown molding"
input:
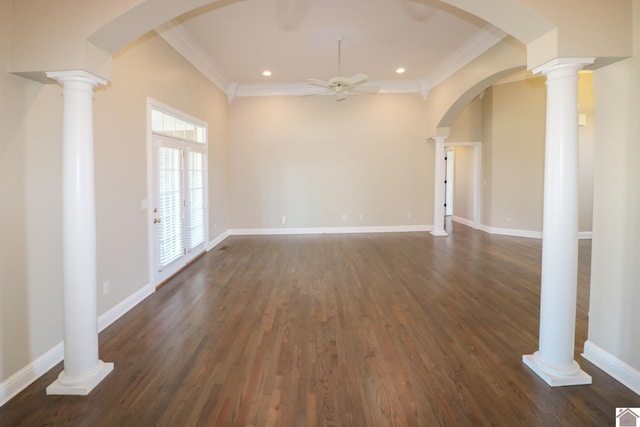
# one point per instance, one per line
(483, 40)
(173, 33)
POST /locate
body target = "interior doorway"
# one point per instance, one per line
(448, 182)
(473, 185)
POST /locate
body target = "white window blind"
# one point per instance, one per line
(179, 185)
(195, 199)
(170, 205)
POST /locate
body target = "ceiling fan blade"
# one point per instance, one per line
(318, 91)
(340, 96)
(365, 89)
(357, 79)
(318, 82)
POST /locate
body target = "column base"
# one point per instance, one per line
(80, 386)
(439, 233)
(554, 380)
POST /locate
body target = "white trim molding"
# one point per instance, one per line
(124, 306)
(180, 39)
(583, 235)
(216, 241)
(512, 232)
(483, 40)
(174, 34)
(621, 371)
(463, 221)
(439, 180)
(477, 178)
(329, 230)
(27, 375)
(34, 370)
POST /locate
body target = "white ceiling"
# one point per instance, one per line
(233, 41)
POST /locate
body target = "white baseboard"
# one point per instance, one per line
(463, 221)
(621, 371)
(25, 376)
(215, 242)
(515, 232)
(512, 232)
(329, 230)
(34, 370)
(124, 306)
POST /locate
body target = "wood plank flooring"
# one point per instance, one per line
(399, 329)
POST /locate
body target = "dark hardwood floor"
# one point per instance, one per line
(336, 330)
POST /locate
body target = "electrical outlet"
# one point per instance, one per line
(509, 218)
(361, 216)
(344, 217)
(409, 215)
(106, 287)
(284, 219)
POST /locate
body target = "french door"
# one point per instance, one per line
(179, 205)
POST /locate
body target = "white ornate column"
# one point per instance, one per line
(82, 368)
(438, 188)
(554, 360)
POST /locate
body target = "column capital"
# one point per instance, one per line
(562, 63)
(81, 76)
(437, 139)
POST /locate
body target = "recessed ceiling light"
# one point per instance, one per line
(400, 70)
(266, 73)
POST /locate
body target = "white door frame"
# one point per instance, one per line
(147, 203)
(477, 177)
(449, 180)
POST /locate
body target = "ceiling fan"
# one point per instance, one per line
(341, 86)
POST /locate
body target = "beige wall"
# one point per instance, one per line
(463, 183)
(513, 154)
(614, 323)
(147, 68)
(487, 156)
(30, 215)
(585, 28)
(350, 165)
(586, 138)
(517, 155)
(30, 184)
(313, 159)
(467, 127)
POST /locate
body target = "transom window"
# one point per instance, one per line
(166, 123)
